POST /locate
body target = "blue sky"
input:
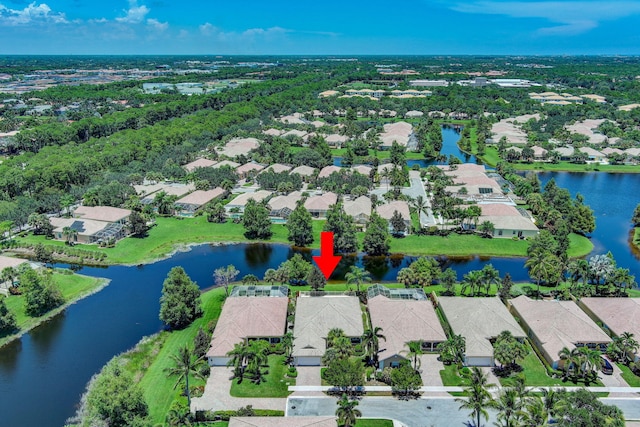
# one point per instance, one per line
(343, 27)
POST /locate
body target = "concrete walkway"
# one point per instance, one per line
(217, 395)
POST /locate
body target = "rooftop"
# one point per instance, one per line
(245, 317)
(404, 320)
(479, 320)
(316, 316)
(6, 261)
(618, 314)
(201, 197)
(101, 213)
(199, 163)
(558, 324)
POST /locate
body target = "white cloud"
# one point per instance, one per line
(33, 13)
(156, 25)
(208, 29)
(572, 17)
(135, 14)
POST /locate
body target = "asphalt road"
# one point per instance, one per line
(428, 412)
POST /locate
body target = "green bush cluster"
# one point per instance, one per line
(83, 254)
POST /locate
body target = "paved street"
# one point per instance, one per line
(432, 412)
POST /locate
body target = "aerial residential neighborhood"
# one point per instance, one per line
(248, 215)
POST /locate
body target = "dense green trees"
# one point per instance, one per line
(300, 226)
(635, 219)
(256, 222)
(116, 399)
(343, 228)
(7, 318)
(180, 300)
(405, 380)
(376, 236)
(41, 294)
(347, 412)
(478, 397)
(508, 350)
(421, 272)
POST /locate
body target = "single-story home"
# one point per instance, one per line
(248, 168)
(198, 163)
(88, 230)
(244, 318)
(336, 140)
(553, 325)
(387, 210)
(328, 170)
(402, 321)
(239, 146)
(593, 155)
(148, 192)
(282, 206)
(315, 317)
(318, 206)
(9, 262)
(190, 203)
(229, 163)
(103, 213)
(479, 321)
(507, 220)
(359, 209)
(618, 315)
(277, 168)
(304, 171)
(362, 169)
(241, 200)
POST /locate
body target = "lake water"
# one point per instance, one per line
(43, 374)
(450, 138)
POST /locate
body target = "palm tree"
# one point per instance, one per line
(8, 274)
(257, 357)
(287, 345)
(629, 346)
(66, 201)
(238, 357)
(69, 234)
(347, 412)
(334, 334)
(472, 280)
(414, 352)
(343, 347)
(184, 365)
(420, 205)
(370, 341)
(509, 406)
(569, 357)
(552, 399)
(179, 417)
(358, 276)
(536, 414)
(478, 396)
(490, 276)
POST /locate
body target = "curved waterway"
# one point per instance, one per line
(43, 374)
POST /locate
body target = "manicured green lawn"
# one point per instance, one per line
(374, 423)
(573, 167)
(72, 286)
(535, 374)
(451, 377)
(158, 388)
(632, 379)
(469, 245)
(170, 233)
(275, 384)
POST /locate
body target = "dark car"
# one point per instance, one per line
(606, 369)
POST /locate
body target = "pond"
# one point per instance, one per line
(43, 374)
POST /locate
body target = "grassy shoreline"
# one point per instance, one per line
(74, 287)
(172, 235)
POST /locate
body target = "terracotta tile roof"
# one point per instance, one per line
(618, 314)
(386, 211)
(316, 316)
(478, 320)
(244, 317)
(558, 324)
(403, 321)
(6, 261)
(101, 213)
(199, 163)
(200, 197)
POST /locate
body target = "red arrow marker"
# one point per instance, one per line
(327, 262)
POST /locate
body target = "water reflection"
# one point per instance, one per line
(9, 358)
(45, 336)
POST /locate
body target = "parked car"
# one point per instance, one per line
(606, 369)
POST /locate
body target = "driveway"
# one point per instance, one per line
(217, 395)
(308, 376)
